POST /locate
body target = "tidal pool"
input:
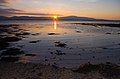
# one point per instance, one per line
(66, 44)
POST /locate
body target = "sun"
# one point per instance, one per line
(55, 17)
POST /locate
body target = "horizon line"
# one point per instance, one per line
(59, 17)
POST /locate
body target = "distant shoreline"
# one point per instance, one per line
(67, 18)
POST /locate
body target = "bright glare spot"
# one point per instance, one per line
(55, 17)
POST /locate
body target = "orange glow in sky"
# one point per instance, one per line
(101, 9)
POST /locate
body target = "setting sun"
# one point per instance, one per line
(55, 17)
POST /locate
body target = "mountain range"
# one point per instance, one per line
(66, 18)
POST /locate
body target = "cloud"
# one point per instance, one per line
(8, 12)
(31, 14)
(8, 1)
(87, 0)
(13, 12)
(5, 10)
(3, 1)
(1, 5)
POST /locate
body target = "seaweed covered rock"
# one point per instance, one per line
(12, 52)
(9, 59)
(59, 44)
(3, 44)
(108, 70)
(11, 39)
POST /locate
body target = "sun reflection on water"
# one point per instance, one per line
(55, 24)
(55, 19)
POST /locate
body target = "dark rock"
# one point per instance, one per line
(107, 70)
(108, 33)
(104, 48)
(9, 59)
(3, 44)
(30, 54)
(12, 52)
(59, 44)
(36, 34)
(54, 66)
(23, 33)
(46, 59)
(93, 56)
(34, 41)
(78, 31)
(51, 52)
(39, 74)
(11, 39)
(108, 57)
(53, 34)
(58, 52)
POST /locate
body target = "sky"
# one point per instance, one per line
(102, 9)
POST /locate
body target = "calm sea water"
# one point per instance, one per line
(49, 22)
(84, 43)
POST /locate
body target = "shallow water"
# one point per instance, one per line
(84, 43)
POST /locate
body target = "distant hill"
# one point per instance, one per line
(76, 18)
(67, 18)
(24, 18)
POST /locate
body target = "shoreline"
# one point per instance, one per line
(40, 71)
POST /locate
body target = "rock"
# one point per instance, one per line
(53, 34)
(11, 39)
(36, 34)
(59, 44)
(30, 54)
(12, 52)
(58, 52)
(23, 33)
(108, 33)
(9, 59)
(107, 70)
(78, 31)
(3, 44)
(34, 41)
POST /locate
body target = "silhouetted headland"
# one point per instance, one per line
(66, 18)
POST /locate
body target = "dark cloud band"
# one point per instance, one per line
(5, 10)
(12, 12)
(3, 1)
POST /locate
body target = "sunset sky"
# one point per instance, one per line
(104, 9)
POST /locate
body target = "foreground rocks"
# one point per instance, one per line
(3, 44)
(12, 52)
(108, 70)
(38, 71)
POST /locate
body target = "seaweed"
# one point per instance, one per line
(59, 44)
(107, 70)
(11, 39)
(9, 59)
(12, 52)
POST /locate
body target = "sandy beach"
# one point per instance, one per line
(38, 71)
